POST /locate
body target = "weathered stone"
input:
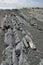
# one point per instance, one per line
(7, 52)
(23, 32)
(8, 55)
(17, 52)
(29, 33)
(17, 40)
(32, 45)
(22, 59)
(8, 37)
(14, 30)
(16, 35)
(30, 42)
(14, 58)
(7, 23)
(25, 43)
(41, 63)
(13, 22)
(20, 45)
(28, 39)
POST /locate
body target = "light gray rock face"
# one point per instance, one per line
(14, 58)
(17, 40)
(20, 46)
(22, 59)
(22, 19)
(8, 37)
(25, 43)
(18, 55)
(30, 42)
(8, 55)
(7, 52)
(28, 38)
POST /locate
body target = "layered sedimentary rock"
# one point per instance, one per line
(19, 43)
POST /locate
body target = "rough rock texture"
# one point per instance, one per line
(27, 19)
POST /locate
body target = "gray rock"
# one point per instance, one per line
(17, 52)
(14, 58)
(13, 22)
(8, 37)
(8, 55)
(22, 59)
(30, 42)
(14, 30)
(17, 41)
(23, 32)
(20, 29)
(3, 63)
(20, 45)
(25, 43)
(16, 35)
(7, 22)
(29, 33)
(7, 52)
(41, 63)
